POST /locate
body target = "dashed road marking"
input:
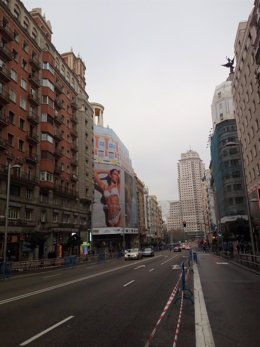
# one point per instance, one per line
(45, 331)
(221, 263)
(127, 284)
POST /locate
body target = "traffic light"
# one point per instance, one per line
(184, 224)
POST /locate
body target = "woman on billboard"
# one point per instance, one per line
(109, 186)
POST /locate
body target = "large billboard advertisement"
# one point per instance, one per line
(115, 204)
(109, 196)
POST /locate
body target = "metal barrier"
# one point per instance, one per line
(250, 260)
(68, 261)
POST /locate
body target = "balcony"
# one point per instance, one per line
(74, 105)
(4, 96)
(31, 158)
(74, 147)
(74, 177)
(74, 133)
(5, 53)
(34, 80)
(34, 61)
(3, 144)
(59, 104)
(33, 98)
(59, 89)
(74, 120)
(19, 177)
(57, 169)
(74, 162)
(66, 192)
(5, 75)
(6, 32)
(33, 118)
(57, 136)
(58, 153)
(4, 120)
(33, 138)
(58, 119)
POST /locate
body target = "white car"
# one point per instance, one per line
(187, 247)
(133, 253)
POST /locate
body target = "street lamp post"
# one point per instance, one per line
(7, 214)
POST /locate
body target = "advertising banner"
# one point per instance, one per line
(109, 196)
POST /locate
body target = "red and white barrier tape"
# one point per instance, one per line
(149, 341)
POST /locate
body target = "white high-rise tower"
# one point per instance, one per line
(191, 171)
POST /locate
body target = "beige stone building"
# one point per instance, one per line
(246, 94)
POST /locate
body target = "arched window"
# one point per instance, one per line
(26, 23)
(17, 12)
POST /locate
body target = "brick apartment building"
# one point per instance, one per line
(46, 125)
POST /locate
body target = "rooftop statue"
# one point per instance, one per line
(229, 64)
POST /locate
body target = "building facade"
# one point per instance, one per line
(226, 165)
(246, 94)
(42, 104)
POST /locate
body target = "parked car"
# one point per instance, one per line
(187, 247)
(133, 253)
(177, 248)
(148, 252)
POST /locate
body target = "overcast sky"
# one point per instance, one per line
(154, 66)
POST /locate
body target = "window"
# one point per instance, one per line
(13, 75)
(34, 34)
(25, 46)
(23, 84)
(29, 194)
(16, 36)
(55, 217)
(44, 197)
(16, 12)
(28, 214)
(12, 95)
(21, 145)
(14, 212)
(101, 154)
(23, 103)
(10, 139)
(26, 24)
(11, 117)
(239, 200)
(46, 100)
(21, 124)
(43, 216)
(15, 190)
(47, 83)
(47, 66)
(47, 137)
(24, 64)
(46, 176)
(15, 55)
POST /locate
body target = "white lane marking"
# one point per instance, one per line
(40, 291)
(176, 267)
(221, 263)
(168, 260)
(45, 331)
(151, 270)
(127, 284)
(138, 267)
(204, 337)
(51, 276)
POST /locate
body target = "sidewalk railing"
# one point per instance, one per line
(246, 259)
(250, 260)
(15, 267)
